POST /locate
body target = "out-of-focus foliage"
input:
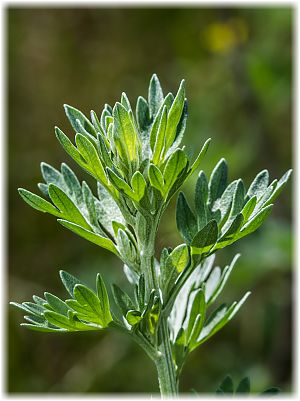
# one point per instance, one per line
(238, 68)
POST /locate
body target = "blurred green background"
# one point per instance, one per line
(237, 63)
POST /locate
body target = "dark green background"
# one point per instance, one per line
(237, 63)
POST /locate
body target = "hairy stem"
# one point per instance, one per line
(165, 365)
(164, 362)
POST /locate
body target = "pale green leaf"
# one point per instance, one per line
(90, 236)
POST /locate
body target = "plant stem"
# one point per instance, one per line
(164, 362)
(165, 365)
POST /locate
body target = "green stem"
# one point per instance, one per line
(164, 361)
(165, 365)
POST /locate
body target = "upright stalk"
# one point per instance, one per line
(164, 361)
(164, 364)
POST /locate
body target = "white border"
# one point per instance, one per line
(3, 176)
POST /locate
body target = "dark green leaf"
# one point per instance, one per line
(218, 181)
(201, 194)
(244, 386)
(227, 385)
(142, 114)
(205, 238)
(185, 219)
(122, 300)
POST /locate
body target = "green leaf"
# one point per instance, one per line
(185, 219)
(96, 122)
(125, 136)
(280, 185)
(90, 236)
(201, 194)
(51, 175)
(155, 95)
(66, 206)
(259, 184)
(41, 328)
(119, 183)
(125, 247)
(271, 391)
(138, 185)
(133, 317)
(57, 304)
(122, 300)
(196, 317)
(230, 234)
(174, 115)
(204, 240)
(226, 386)
(154, 128)
(156, 178)
(67, 323)
(104, 300)
(238, 199)
(179, 257)
(168, 273)
(90, 205)
(160, 137)
(72, 183)
(244, 386)
(91, 304)
(102, 147)
(224, 203)
(125, 101)
(218, 181)
(70, 148)
(69, 281)
(30, 307)
(74, 116)
(179, 131)
(106, 112)
(256, 221)
(174, 167)
(142, 114)
(89, 153)
(248, 208)
(38, 203)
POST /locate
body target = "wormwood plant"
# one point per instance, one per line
(139, 164)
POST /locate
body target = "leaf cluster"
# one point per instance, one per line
(85, 311)
(137, 159)
(227, 388)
